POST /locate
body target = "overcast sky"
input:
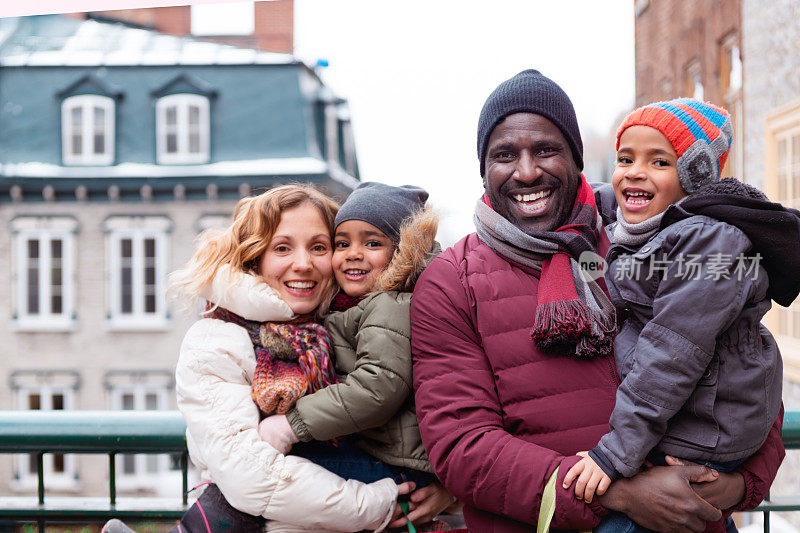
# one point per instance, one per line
(417, 72)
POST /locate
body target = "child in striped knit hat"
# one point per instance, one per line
(694, 263)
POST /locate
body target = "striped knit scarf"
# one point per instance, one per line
(291, 360)
(574, 317)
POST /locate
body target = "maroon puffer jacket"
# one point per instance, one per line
(498, 416)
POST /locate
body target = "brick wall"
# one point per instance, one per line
(672, 33)
(174, 20)
(274, 24)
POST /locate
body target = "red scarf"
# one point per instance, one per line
(573, 317)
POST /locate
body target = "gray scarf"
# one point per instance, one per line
(635, 234)
(574, 317)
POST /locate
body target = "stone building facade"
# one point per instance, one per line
(119, 146)
(771, 56)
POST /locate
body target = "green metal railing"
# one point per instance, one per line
(123, 432)
(95, 432)
(791, 441)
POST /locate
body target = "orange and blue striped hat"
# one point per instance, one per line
(700, 132)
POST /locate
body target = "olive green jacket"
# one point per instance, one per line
(374, 400)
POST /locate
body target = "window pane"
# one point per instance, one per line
(58, 402)
(33, 249)
(127, 402)
(194, 115)
(150, 275)
(99, 130)
(99, 143)
(56, 282)
(172, 115)
(194, 142)
(99, 119)
(172, 143)
(33, 276)
(34, 402)
(76, 134)
(150, 303)
(126, 275)
(58, 463)
(152, 463)
(128, 464)
(32, 464)
(151, 402)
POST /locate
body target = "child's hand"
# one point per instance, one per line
(425, 504)
(591, 479)
(403, 490)
(276, 431)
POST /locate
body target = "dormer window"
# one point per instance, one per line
(87, 129)
(182, 129)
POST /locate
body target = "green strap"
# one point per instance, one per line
(548, 507)
(404, 507)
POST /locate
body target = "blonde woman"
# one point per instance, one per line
(273, 264)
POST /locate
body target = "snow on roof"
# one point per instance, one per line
(96, 43)
(253, 167)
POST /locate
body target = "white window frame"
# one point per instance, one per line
(141, 478)
(182, 102)
(782, 185)
(137, 229)
(694, 78)
(86, 103)
(24, 479)
(44, 230)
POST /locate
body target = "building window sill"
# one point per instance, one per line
(32, 324)
(30, 484)
(138, 323)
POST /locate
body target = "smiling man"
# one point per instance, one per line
(511, 346)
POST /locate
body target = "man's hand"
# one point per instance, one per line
(662, 498)
(724, 493)
(425, 504)
(276, 431)
(591, 478)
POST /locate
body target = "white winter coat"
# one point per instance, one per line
(213, 380)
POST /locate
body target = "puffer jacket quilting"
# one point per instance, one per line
(214, 376)
(497, 415)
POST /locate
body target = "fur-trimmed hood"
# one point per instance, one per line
(773, 229)
(416, 249)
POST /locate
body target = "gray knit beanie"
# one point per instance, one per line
(530, 92)
(383, 206)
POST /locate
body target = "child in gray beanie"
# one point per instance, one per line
(383, 239)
